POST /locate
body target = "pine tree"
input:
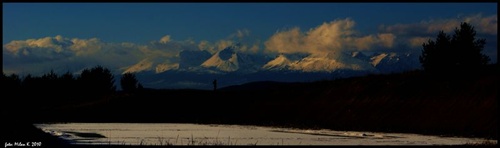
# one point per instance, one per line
(128, 82)
(460, 52)
(97, 81)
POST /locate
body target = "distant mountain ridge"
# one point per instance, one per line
(239, 67)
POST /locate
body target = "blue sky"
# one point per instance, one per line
(109, 26)
(141, 23)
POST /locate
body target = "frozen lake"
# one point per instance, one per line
(211, 134)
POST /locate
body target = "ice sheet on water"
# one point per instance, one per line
(212, 134)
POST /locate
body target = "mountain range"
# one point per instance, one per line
(197, 69)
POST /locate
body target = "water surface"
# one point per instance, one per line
(212, 134)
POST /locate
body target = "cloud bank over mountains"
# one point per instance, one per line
(415, 33)
(328, 38)
(326, 47)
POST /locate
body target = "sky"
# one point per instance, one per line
(38, 37)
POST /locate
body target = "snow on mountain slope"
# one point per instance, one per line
(196, 69)
(279, 63)
(317, 63)
(394, 62)
(149, 65)
(375, 60)
(360, 55)
(224, 60)
(230, 60)
(164, 67)
(143, 65)
(231, 67)
(355, 63)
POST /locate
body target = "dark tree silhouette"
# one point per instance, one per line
(97, 81)
(50, 76)
(67, 76)
(68, 80)
(34, 85)
(434, 55)
(215, 84)
(49, 85)
(139, 86)
(129, 83)
(11, 84)
(462, 51)
(468, 48)
(31, 84)
(67, 83)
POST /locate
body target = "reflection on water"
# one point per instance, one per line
(211, 134)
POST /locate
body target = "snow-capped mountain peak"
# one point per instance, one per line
(317, 63)
(224, 60)
(375, 60)
(280, 62)
(252, 67)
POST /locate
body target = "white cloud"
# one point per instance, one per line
(33, 55)
(242, 33)
(14, 47)
(85, 47)
(328, 38)
(418, 41)
(286, 42)
(486, 25)
(154, 51)
(362, 43)
(386, 39)
(250, 48)
(221, 44)
(47, 44)
(239, 37)
(205, 45)
(165, 39)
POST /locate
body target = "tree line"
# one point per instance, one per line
(96, 81)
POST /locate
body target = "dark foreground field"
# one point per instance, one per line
(459, 105)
